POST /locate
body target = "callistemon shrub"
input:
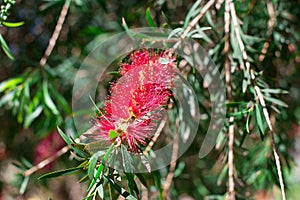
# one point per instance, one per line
(138, 99)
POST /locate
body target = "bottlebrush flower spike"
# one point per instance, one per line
(137, 98)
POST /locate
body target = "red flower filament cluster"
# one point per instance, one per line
(132, 111)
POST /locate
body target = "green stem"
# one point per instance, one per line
(100, 168)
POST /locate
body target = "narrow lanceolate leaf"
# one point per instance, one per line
(60, 173)
(48, 101)
(193, 11)
(93, 162)
(7, 98)
(276, 101)
(259, 119)
(149, 18)
(24, 185)
(121, 190)
(11, 83)
(133, 189)
(274, 91)
(6, 48)
(64, 136)
(12, 24)
(101, 166)
(127, 160)
(32, 116)
(60, 100)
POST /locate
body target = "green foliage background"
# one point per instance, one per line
(36, 99)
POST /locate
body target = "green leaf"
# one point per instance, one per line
(259, 120)
(112, 134)
(276, 101)
(222, 175)
(21, 111)
(127, 160)
(149, 18)
(60, 172)
(24, 185)
(248, 121)
(32, 116)
(6, 48)
(60, 100)
(121, 190)
(193, 11)
(34, 103)
(100, 191)
(274, 91)
(176, 32)
(157, 180)
(64, 136)
(48, 101)
(12, 24)
(26, 163)
(133, 189)
(93, 162)
(11, 83)
(179, 169)
(101, 166)
(7, 98)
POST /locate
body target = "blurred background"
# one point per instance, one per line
(28, 119)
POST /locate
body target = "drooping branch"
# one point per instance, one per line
(45, 162)
(271, 24)
(275, 150)
(231, 185)
(56, 33)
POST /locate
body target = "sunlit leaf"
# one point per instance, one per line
(274, 91)
(48, 101)
(6, 98)
(32, 116)
(24, 185)
(12, 24)
(6, 48)
(149, 18)
(11, 83)
(112, 134)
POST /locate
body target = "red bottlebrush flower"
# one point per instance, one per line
(137, 99)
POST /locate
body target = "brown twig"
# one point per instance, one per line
(45, 162)
(231, 190)
(168, 183)
(238, 37)
(56, 33)
(155, 137)
(226, 47)
(271, 24)
(275, 150)
(231, 185)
